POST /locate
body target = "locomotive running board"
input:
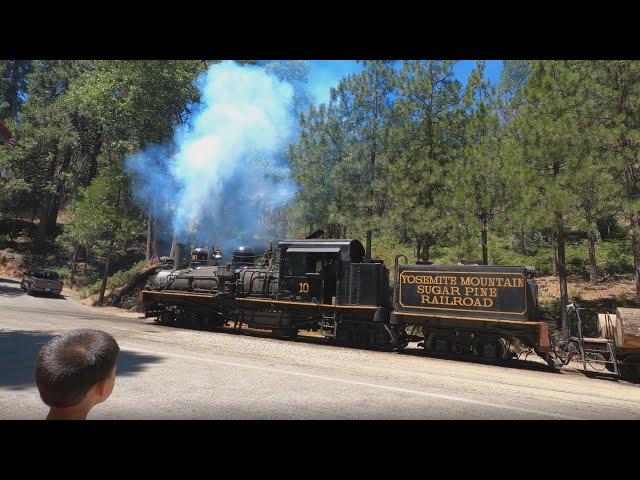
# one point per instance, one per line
(164, 294)
(305, 304)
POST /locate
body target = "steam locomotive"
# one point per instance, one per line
(329, 286)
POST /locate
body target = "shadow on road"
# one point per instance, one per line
(19, 350)
(519, 364)
(6, 291)
(9, 280)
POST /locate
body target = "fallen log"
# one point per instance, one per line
(627, 329)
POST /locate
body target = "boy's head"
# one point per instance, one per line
(77, 366)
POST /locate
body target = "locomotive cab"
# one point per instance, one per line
(312, 274)
(328, 271)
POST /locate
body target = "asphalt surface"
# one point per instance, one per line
(170, 373)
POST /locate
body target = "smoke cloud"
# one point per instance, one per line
(227, 168)
(227, 164)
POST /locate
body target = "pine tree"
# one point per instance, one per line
(476, 179)
(104, 217)
(618, 84)
(424, 140)
(548, 132)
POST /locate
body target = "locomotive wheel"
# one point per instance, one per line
(344, 336)
(438, 344)
(381, 338)
(630, 370)
(362, 338)
(493, 348)
(194, 321)
(291, 333)
(285, 333)
(167, 318)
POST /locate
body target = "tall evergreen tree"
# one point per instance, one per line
(476, 178)
(104, 217)
(549, 142)
(365, 102)
(425, 137)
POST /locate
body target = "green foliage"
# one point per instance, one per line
(63, 272)
(13, 82)
(103, 217)
(117, 280)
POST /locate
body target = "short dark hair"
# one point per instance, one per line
(69, 365)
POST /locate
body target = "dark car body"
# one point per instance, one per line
(41, 281)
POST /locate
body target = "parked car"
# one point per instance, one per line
(42, 281)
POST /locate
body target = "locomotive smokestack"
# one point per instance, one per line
(178, 255)
(173, 247)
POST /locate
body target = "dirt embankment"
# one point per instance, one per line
(12, 263)
(609, 294)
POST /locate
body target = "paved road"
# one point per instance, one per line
(169, 373)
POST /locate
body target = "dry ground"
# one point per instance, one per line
(606, 295)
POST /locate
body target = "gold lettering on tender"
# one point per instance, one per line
(479, 291)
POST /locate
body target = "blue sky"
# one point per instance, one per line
(327, 73)
(464, 67)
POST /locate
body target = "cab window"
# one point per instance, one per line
(301, 264)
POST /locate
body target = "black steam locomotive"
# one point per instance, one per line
(312, 284)
(328, 286)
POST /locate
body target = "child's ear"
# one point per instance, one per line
(101, 387)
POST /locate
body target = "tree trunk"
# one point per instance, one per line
(484, 239)
(554, 248)
(74, 265)
(368, 245)
(155, 245)
(149, 235)
(404, 235)
(635, 245)
(52, 221)
(103, 287)
(41, 233)
(13, 225)
(562, 275)
(58, 198)
(593, 266)
(522, 245)
(93, 166)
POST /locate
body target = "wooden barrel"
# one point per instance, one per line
(627, 329)
(604, 330)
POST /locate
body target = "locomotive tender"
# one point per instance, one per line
(328, 285)
(484, 310)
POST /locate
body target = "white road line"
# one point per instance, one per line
(362, 384)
